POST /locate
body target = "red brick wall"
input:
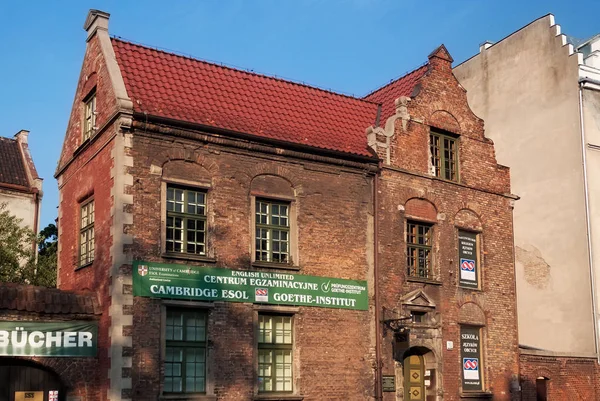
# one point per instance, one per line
(334, 348)
(85, 171)
(569, 378)
(475, 203)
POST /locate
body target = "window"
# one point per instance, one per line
(418, 317)
(274, 353)
(185, 351)
(272, 231)
(86, 233)
(443, 150)
(186, 221)
(418, 249)
(89, 123)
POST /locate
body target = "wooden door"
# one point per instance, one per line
(414, 383)
(19, 382)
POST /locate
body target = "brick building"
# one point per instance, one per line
(255, 238)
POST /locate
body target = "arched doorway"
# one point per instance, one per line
(22, 380)
(419, 374)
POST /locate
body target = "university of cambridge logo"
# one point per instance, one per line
(142, 270)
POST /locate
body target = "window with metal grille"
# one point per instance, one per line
(185, 351)
(444, 154)
(89, 123)
(418, 249)
(186, 221)
(275, 357)
(272, 231)
(86, 233)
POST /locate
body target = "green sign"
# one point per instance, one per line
(214, 284)
(77, 338)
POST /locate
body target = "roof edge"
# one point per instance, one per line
(552, 23)
(394, 80)
(293, 146)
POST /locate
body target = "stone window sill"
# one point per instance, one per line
(477, 395)
(281, 266)
(278, 397)
(185, 256)
(423, 280)
(188, 397)
(84, 265)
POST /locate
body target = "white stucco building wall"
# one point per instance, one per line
(526, 88)
(20, 185)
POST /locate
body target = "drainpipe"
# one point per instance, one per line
(378, 389)
(587, 219)
(36, 199)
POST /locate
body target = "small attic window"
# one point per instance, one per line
(89, 122)
(418, 316)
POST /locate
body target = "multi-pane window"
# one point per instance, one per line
(272, 231)
(418, 249)
(185, 351)
(186, 221)
(86, 233)
(275, 353)
(444, 153)
(89, 122)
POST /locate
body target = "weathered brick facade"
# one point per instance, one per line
(332, 203)
(558, 377)
(479, 202)
(348, 213)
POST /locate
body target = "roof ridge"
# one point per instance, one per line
(394, 80)
(245, 71)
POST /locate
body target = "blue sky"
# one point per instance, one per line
(350, 46)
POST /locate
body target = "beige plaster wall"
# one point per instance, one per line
(525, 88)
(21, 205)
(591, 122)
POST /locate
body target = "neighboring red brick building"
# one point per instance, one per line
(551, 376)
(21, 305)
(248, 240)
(445, 242)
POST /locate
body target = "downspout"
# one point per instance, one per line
(587, 220)
(378, 389)
(36, 229)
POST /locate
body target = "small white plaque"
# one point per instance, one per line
(427, 373)
(428, 383)
(449, 345)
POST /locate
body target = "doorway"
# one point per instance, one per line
(414, 382)
(25, 381)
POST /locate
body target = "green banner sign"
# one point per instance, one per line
(162, 280)
(77, 338)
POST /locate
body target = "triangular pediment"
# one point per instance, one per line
(417, 298)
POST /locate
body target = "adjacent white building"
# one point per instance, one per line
(538, 92)
(20, 185)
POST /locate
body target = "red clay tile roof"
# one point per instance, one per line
(12, 165)
(27, 298)
(403, 86)
(168, 85)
